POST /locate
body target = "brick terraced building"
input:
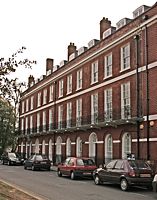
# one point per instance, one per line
(102, 101)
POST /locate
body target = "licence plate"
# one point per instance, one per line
(145, 175)
(87, 173)
(43, 162)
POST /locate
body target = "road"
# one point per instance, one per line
(48, 186)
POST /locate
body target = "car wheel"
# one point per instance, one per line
(8, 163)
(3, 162)
(72, 176)
(49, 168)
(59, 173)
(25, 167)
(97, 180)
(33, 168)
(124, 184)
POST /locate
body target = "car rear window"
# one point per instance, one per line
(138, 164)
(12, 155)
(85, 162)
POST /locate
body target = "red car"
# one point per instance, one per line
(76, 167)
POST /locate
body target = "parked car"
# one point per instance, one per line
(37, 162)
(76, 167)
(126, 173)
(11, 158)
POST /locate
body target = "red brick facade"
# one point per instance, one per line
(132, 104)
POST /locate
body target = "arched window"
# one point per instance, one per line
(126, 145)
(68, 147)
(58, 149)
(108, 148)
(78, 147)
(43, 147)
(92, 145)
(50, 149)
(21, 147)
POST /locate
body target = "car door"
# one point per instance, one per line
(117, 171)
(64, 167)
(30, 160)
(105, 173)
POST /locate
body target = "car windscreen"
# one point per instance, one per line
(140, 164)
(40, 157)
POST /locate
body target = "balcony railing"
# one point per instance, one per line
(109, 117)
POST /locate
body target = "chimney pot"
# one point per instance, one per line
(49, 64)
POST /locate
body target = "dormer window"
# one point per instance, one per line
(122, 22)
(140, 10)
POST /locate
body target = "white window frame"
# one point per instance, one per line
(39, 99)
(78, 112)
(44, 121)
(23, 106)
(32, 102)
(26, 124)
(108, 148)
(38, 122)
(125, 57)
(27, 105)
(44, 96)
(50, 119)
(69, 114)
(69, 84)
(94, 108)
(60, 117)
(51, 88)
(79, 79)
(126, 145)
(108, 65)
(94, 72)
(31, 124)
(125, 101)
(108, 104)
(61, 88)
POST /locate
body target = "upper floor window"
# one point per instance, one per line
(32, 102)
(69, 84)
(108, 65)
(31, 123)
(61, 88)
(27, 104)
(51, 93)
(94, 108)
(125, 57)
(78, 112)
(22, 124)
(50, 119)
(69, 114)
(79, 79)
(26, 125)
(108, 104)
(44, 121)
(125, 101)
(94, 72)
(38, 122)
(60, 117)
(23, 106)
(39, 99)
(45, 96)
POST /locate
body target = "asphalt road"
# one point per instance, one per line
(48, 186)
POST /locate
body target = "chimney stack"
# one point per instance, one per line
(71, 49)
(30, 80)
(49, 64)
(104, 25)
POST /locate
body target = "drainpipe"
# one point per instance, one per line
(137, 94)
(55, 124)
(147, 92)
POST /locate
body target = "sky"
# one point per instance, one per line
(46, 27)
